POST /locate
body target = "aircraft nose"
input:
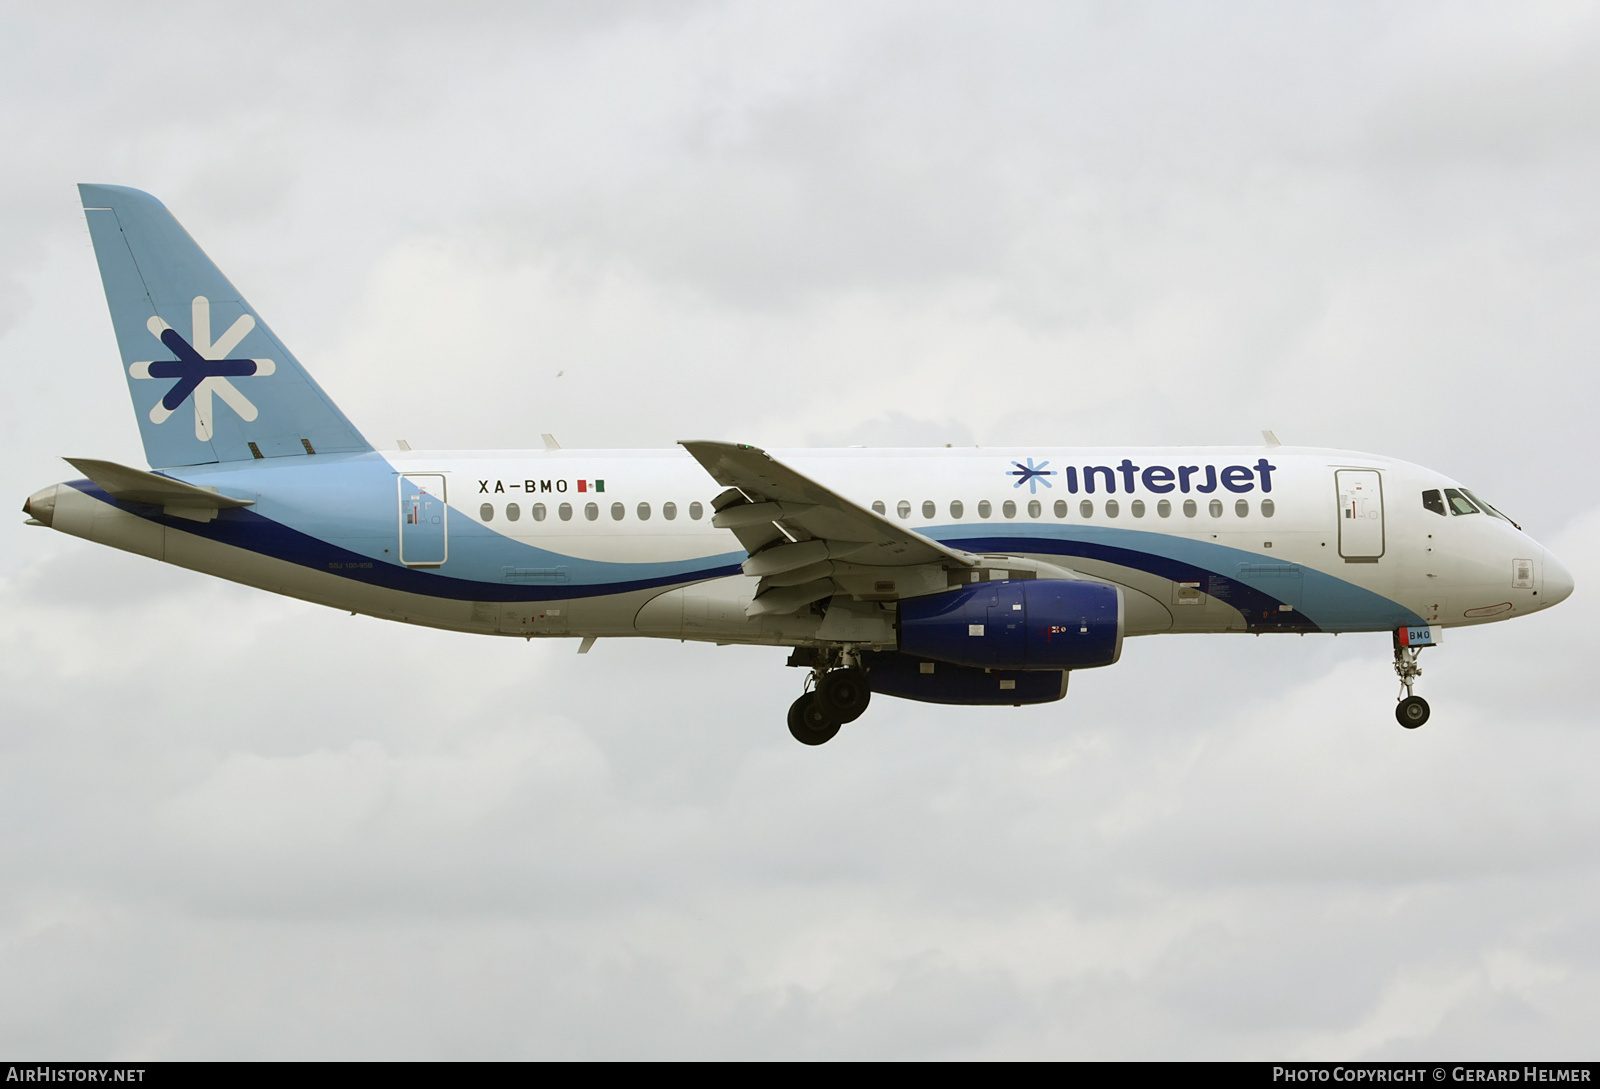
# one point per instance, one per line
(1557, 581)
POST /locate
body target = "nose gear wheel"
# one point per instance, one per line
(1412, 710)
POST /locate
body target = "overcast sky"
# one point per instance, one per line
(234, 825)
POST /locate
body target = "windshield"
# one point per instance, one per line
(1487, 507)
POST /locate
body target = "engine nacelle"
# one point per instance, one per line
(1017, 624)
(940, 682)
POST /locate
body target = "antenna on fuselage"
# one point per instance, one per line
(1271, 439)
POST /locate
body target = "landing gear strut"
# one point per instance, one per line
(1411, 711)
(841, 695)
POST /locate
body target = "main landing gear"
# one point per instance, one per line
(1411, 711)
(840, 695)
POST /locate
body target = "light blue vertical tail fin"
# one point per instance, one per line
(209, 380)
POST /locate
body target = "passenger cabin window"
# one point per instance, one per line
(1086, 509)
(956, 509)
(1189, 508)
(1459, 504)
(878, 507)
(928, 509)
(591, 511)
(669, 511)
(1009, 509)
(1034, 509)
(695, 511)
(486, 512)
(644, 512)
(1268, 508)
(617, 511)
(536, 512)
(903, 509)
(1433, 500)
(1164, 508)
(1061, 508)
(1112, 508)
(1241, 507)
(984, 509)
(1216, 508)
(565, 511)
(1137, 507)
(513, 512)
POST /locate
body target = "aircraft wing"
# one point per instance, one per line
(807, 542)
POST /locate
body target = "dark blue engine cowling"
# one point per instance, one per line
(1017, 624)
(940, 682)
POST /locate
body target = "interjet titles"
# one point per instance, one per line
(1161, 479)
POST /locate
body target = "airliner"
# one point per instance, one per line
(976, 576)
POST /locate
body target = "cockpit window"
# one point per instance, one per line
(1433, 500)
(1459, 504)
(1487, 507)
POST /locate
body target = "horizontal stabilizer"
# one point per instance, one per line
(137, 486)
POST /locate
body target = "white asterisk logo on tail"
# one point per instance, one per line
(201, 368)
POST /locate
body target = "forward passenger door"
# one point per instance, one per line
(1361, 534)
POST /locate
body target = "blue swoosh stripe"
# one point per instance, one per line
(1357, 609)
(250, 531)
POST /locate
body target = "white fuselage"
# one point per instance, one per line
(620, 542)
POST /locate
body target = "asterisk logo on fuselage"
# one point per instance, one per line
(1032, 475)
(202, 368)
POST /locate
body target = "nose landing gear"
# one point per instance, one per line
(1411, 711)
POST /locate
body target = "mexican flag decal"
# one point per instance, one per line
(591, 485)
